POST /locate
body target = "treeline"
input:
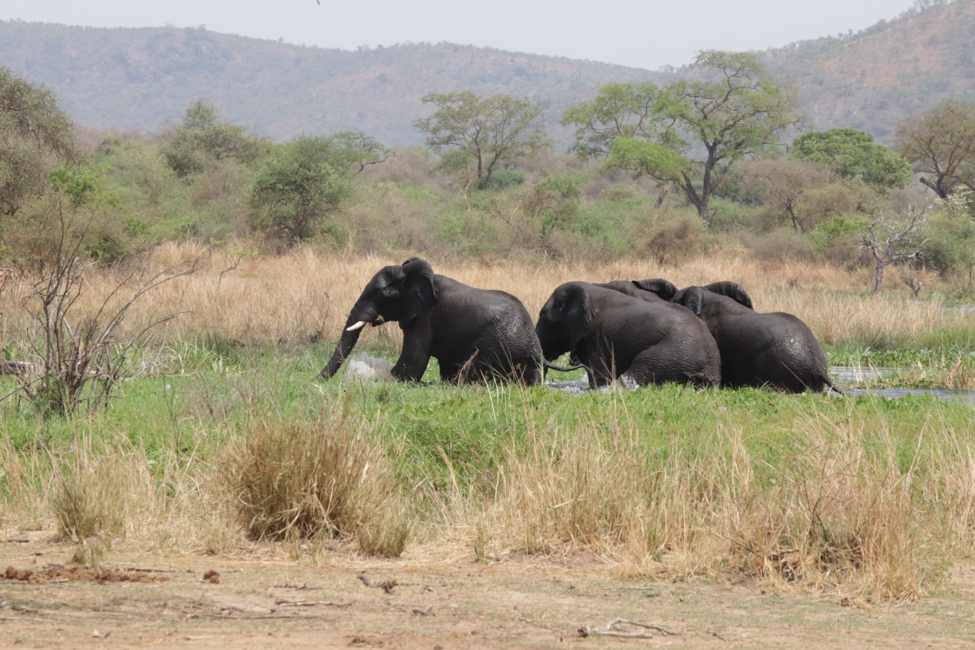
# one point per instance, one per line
(664, 171)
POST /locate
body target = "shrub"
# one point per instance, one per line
(294, 479)
(503, 179)
(677, 240)
(782, 245)
(90, 496)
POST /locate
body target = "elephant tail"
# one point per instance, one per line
(831, 386)
(552, 366)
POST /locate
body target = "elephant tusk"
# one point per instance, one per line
(355, 327)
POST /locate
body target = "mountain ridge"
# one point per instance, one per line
(143, 78)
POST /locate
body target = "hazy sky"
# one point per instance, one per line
(638, 33)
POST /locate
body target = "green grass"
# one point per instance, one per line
(465, 445)
(469, 427)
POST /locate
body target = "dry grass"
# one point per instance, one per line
(838, 511)
(289, 299)
(838, 514)
(296, 479)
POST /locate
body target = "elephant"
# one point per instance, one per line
(655, 290)
(611, 333)
(773, 349)
(475, 334)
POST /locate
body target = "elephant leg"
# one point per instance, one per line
(652, 366)
(449, 372)
(412, 362)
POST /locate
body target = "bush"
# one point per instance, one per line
(782, 245)
(90, 496)
(296, 479)
(678, 240)
(502, 180)
(297, 188)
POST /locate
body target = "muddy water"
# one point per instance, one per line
(841, 374)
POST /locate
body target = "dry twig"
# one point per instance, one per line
(588, 630)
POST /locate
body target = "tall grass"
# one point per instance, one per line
(294, 298)
(850, 496)
(296, 479)
(839, 509)
(236, 447)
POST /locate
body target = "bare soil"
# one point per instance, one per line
(340, 600)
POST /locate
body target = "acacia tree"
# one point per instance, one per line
(803, 192)
(482, 133)
(359, 149)
(854, 155)
(940, 144)
(687, 133)
(894, 236)
(35, 135)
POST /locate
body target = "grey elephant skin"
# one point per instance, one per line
(612, 333)
(474, 334)
(773, 349)
(655, 290)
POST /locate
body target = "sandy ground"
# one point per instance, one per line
(151, 601)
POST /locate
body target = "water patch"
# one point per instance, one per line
(944, 394)
(853, 374)
(362, 367)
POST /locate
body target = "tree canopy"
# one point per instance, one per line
(854, 155)
(35, 134)
(688, 132)
(202, 139)
(482, 133)
(940, 144)
(299, 185)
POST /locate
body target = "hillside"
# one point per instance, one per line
(871, 79)
(141, 78)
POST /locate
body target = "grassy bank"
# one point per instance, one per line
(222, 441)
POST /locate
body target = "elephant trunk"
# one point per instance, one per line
(358, 317)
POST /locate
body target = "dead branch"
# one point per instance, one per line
(588, 630)
(310, 603)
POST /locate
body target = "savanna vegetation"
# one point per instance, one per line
(167, 300)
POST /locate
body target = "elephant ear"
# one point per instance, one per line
(420, 294)
(733, 290)
(692, 298)
(577, 313)
(663, 288)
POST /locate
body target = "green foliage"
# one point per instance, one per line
(482, 134)
(689, 132)
(298, 187)
(940, 144)
(854, 155)
(951, 231)
(553, 204)
(35, 134)
(201, 140)
(503, 179)
(839, 233)
(359, 150)
(78, 210)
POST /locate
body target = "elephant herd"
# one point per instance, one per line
(647, 330)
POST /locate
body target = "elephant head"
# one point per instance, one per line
(693, 297)
(733, 290)
(564, 320)
(397, 293)
(664, 289)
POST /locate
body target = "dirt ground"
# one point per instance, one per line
(220, 602)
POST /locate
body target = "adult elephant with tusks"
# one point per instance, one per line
(474, 334)
(612, 333)
(775, 349)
